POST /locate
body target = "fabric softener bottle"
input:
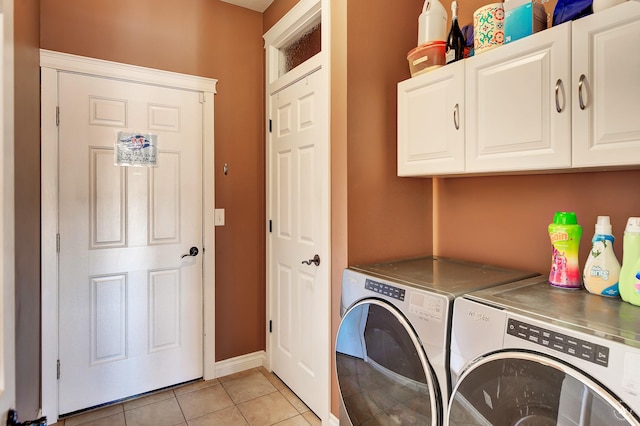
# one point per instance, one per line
(630, 272)
(565, 235)
(602, 268)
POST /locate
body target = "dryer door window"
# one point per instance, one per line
(522, 388)
(383, 373)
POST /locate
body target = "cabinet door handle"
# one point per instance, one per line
(559, 87)
(580, 86)
(456, 116)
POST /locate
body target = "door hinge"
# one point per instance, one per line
(270, 326)
(270, 125)
(270, 226)
(202, 98)
(57, 116)
(58, 370)
(57, 243)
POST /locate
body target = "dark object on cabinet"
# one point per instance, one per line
(569, 10)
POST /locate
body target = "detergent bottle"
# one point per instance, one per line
(565, 235)
(432, 23)
(602, 269)
(630, 271)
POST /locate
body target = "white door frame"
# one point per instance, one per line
(7, 223)
(300, 18)
(50, 63)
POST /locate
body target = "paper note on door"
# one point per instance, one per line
(136, 149)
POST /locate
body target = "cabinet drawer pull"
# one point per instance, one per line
(559, 86)
(456, 116)
(580, 86)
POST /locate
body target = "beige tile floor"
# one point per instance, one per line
(252, 397)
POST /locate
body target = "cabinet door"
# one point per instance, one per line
(518, 101)
(606, 87)
(430, 123)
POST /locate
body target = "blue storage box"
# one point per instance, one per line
(523, 18)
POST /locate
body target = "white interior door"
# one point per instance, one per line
(130, 307)
(298, 191)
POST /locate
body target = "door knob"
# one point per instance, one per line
(193, 251)
(316, 260)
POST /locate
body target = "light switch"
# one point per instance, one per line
(218, 217)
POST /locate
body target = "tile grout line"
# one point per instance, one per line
(184, 416)
(279, 391)
(235, 404)
(276, 388)
(236, 407)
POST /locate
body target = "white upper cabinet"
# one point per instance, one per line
(606, 87)
(564, 98)
(518, 108)
(430, 123)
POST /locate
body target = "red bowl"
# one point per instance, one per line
(427, 57)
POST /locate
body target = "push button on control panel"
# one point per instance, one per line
(385, 289)
(570, 345)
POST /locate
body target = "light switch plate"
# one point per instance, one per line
(218, 217)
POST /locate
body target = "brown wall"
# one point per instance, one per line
(503, 219)
(27, 206)
(467, 7)
(500, 220)
(208, 38)
(388, 216)
(275, 11)
(375, 215)
(339, 167)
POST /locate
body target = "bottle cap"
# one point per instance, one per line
(603, 225)
(633, 225)
(565, 218)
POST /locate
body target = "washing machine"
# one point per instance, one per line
(392, 344)
(526, 353)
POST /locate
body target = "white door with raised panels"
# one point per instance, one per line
(130, 303)
(298, 188)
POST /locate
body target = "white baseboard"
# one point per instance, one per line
(333, 420)
(240, 363)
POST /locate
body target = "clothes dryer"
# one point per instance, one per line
(392, 344)
(527, 353)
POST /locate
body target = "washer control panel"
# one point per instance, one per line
(560, 342)
(385, 289)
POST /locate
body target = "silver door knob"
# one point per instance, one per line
(316, 260)
(193, 251)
